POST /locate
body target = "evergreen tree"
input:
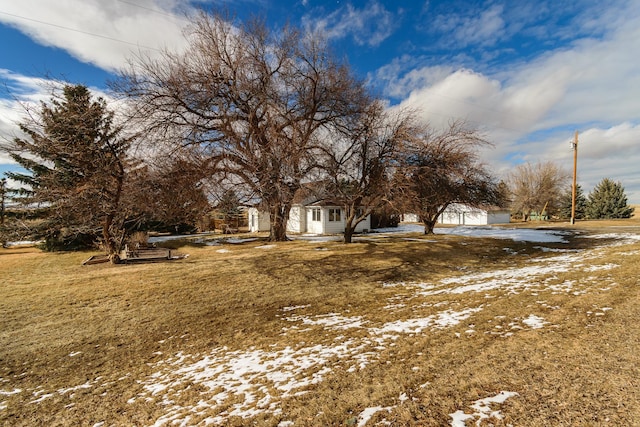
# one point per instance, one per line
(566, 202)
(76, 160)
(608, 201)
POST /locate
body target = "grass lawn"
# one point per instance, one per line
(398, 329)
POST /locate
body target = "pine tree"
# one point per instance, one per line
(76, 161)
(566, 202)
(608, 201)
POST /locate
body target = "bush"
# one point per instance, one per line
(69, 241)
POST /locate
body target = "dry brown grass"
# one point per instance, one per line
(106, 330)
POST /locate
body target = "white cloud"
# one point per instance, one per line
(485, 28)
(530, 110)
(22, 91)
(370, 25)
(103, 33)
(25, 93)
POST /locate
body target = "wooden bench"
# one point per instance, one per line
(144, 254)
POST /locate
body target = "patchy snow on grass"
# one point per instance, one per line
(592, 268)
(266, 247)
(75, 388)
(411, 326)
(9, 393)
(243, 383)
(515, 234)
(482, 409)
(368, 413)
(248, 383)
(534, 322)
(166, 238)
(296, 307)
(330, 320)
(514, 279)
(251, 382)
(237, 240)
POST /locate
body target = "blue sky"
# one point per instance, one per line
(527, 74)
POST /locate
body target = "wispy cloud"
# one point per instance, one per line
(485, 28)
(370, 25)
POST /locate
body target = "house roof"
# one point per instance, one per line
(310, 193)
(487, 208)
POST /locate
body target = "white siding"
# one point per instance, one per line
(466, 215)
(301, 221)
(297, 220)
(337, 227)
(450, 217)
(365, 224)
(474, 217)
(258, 220)
(332, 227)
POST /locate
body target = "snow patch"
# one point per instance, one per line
(482, 409)
(534, 322)
(366, 415)
(439, 321)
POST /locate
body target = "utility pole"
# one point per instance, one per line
(3, 190)
(574, 146)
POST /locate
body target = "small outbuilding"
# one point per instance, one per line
(460, 214)
(315, 218)
(312, 212)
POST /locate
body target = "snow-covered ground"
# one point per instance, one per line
(248, 382)
(516, 234)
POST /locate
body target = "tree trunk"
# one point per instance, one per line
(429, 225)
(348, 233)
(109, 244)
(279, 215)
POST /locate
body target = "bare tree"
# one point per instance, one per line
(251, 101)
(360, 160)
(442, 168)
(537, 187)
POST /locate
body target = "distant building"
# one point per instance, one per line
(460, 214)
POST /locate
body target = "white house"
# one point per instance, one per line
(459, 214)
(314, 218)
(312, 212)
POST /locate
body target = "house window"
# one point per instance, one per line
(315, 215)
(334, 215)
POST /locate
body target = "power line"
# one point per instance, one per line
(80, 31)
(158, 11)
